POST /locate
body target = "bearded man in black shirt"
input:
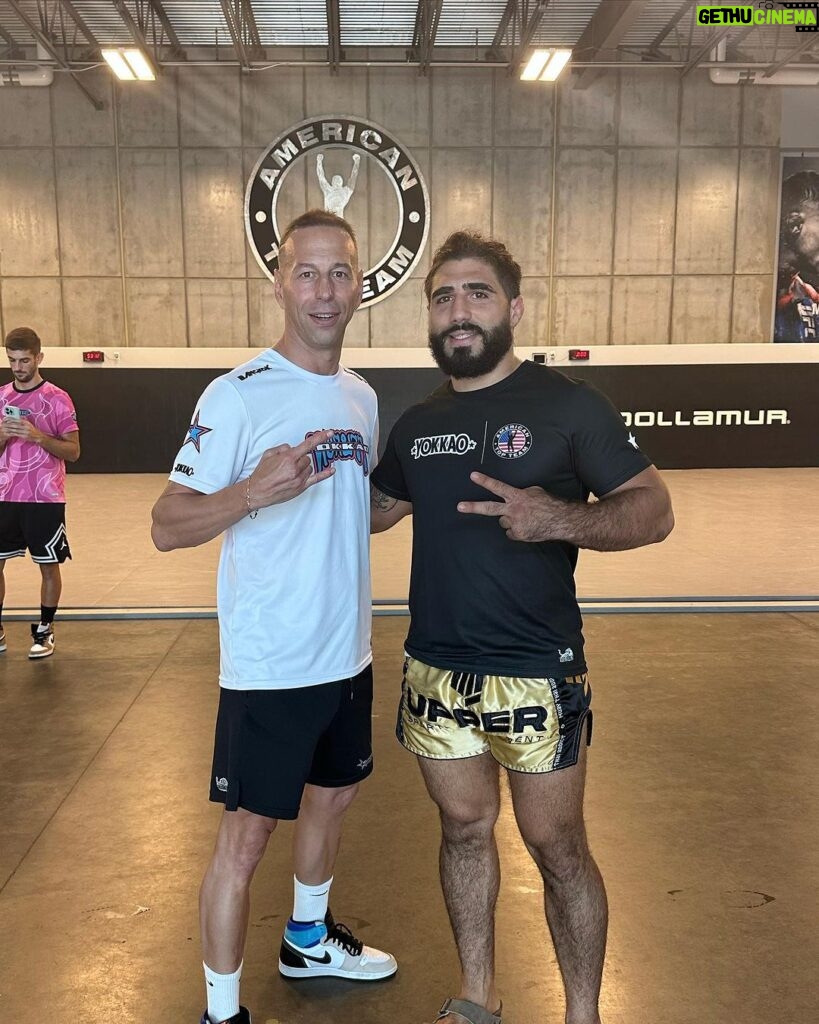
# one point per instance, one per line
(496, 468)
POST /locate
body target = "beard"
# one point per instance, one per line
(463, 363)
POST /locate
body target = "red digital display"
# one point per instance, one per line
(578, 354)
(93, 356)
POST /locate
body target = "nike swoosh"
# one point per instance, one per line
(316, 959)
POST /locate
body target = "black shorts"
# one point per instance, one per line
(269, 743)
(36, 525)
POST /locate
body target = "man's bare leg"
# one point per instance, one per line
(51, 585)
(467, 793)
(549, 812)
(318, 831)
(224, 899)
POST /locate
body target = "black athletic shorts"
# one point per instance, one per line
(269, 743)
(36, 525)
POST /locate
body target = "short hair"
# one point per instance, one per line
(23, 339)
(317, 219)
(464, 245)
(802, 187)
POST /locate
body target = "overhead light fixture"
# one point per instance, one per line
(558, 61)
(129, 65)
(545, 65)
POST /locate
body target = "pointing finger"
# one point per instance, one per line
(309, 444)
(482, 508)
(498, 487)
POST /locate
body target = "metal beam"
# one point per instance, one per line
(46, 43)
(805, 45)
(137, 35)
(165, 22)
(148, 14)
(427, 19)
(333, 34)
(518, 24)
(233, 19)
(14, 48)
(678, 17)
(249, 24)
(243, 30)
(78, 21)
(704, 50)
(530, 17)
(607, 27)
(508, 15)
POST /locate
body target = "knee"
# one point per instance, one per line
(239, 850)
(327, 801)
(561, 855)
(468, 824)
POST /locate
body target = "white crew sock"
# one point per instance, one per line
(223, 994)
(310, 902)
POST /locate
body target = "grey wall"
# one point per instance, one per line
(643, 209)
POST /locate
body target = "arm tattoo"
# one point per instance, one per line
(380, 502)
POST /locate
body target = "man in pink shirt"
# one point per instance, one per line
(38, 435)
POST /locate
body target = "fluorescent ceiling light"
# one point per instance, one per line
(141, 68)
(129, 65)
(558, 60)
(537, 62)
(118, 65)
(545, 65)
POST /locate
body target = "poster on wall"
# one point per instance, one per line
(796, 316)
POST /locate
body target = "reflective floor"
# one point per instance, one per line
(701, 807)
(740, 533)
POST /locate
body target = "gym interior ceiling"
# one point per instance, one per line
(254, 34)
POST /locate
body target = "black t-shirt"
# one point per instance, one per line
(481, 602)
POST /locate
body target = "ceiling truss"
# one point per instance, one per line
(244, 31)
(56, 33)
(602, 34)
(427, 20)
(516, 31)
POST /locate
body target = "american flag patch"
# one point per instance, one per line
(512, 441)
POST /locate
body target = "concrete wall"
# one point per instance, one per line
(643, 209)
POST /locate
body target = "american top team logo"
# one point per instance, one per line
(335, 149)
(512, 441)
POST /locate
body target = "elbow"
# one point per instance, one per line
(665, 525)
(161, 541)
(161, 535)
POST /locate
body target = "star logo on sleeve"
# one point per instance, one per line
(632, 440)
(195, 433)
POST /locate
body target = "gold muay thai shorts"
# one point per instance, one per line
(528, 725)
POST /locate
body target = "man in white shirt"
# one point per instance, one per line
(278, 458)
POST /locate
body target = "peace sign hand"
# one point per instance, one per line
(526, 514)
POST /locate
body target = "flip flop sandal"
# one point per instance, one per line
(469, 1012)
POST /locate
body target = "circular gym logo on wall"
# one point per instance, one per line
(315, 144)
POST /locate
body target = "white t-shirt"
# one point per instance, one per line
(293, 589)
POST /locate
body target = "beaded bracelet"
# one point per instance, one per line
(252, 512)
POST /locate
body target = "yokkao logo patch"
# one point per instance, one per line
(512, 441)
(326, 141)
